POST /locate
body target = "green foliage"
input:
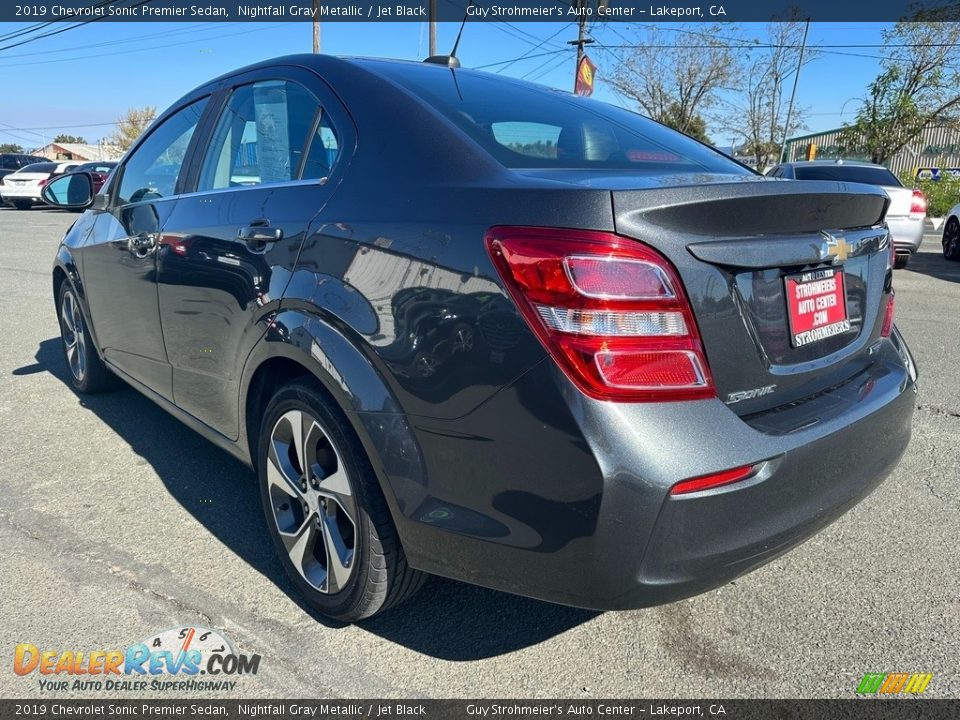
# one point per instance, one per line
(63, 138)
(917, 87)
(941, 194)
(10, 148)
(694, 125)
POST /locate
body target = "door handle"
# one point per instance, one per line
(142, 245)
(258, 233)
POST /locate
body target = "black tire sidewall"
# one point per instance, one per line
(955, 253)
(91, 359)
(304, 396)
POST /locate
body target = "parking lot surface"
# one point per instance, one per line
(117, 522)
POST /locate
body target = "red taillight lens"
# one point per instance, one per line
(41, 183)
(707, 482)
(887, 326)
(610, 310)
(918, 205)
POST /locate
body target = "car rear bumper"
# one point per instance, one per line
(581, 513)
(8, 193)
(907, 233)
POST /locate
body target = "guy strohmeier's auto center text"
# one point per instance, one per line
(373, 11)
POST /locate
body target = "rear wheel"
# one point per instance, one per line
(325, 511)
(900, 261)
(22, 204)
(88, 374)
(951, 239)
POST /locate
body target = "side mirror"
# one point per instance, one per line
(73, 191)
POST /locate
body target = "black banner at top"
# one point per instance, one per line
(477, 11)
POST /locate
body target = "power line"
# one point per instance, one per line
(142, 49)
(528, 57)
(104, 3)
(535, 47)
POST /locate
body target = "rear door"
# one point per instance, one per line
(786, 279)
(119, 261)
(229, 248)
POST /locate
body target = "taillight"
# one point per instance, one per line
(610, 311)
(887, 327)
(918, 204)
(41, 183)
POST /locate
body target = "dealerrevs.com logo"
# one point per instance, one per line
(179, 659)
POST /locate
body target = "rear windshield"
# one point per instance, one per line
(529, 126)
(44, 167)
(847, 173)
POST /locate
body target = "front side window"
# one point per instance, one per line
(154, 168)
(260, 136)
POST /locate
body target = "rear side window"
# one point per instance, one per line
(9, 162)
(323, 152)
(44, 167)
(524, 125)
(260, 136)
(847, 173)
(153, 169)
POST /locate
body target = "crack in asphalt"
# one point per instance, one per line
(125, 576)
(937, 410)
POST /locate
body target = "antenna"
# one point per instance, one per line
(451, 60)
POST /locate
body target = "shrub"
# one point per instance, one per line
(941, 194)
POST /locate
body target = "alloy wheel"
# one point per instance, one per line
(951, 239)
(74, 336)
(312, 501)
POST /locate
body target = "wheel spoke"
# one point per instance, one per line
(278, 473)
(339, 556)
(336, 487)
(300, 545)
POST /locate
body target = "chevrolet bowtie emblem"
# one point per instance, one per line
(833, 248)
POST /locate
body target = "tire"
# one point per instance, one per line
(87, 372)
(951, 239)
(900, 261)
(22, 204)
(332, 528)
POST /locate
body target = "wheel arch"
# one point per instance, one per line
(302, 344)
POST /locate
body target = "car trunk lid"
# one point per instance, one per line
(742, 249)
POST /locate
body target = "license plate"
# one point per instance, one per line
(816, 305)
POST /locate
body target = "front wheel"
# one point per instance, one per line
(88, 374)
(325, 511)
(951, 239)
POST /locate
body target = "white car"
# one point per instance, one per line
(22, 188)
(906, 215)
(951, 234)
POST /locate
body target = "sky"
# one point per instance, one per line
(79, 82)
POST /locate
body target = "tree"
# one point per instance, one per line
(918, 86)
(131, 126)
(757, 113)
(62, 138)
(675, 82)
(10, 148)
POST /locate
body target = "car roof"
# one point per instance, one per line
(832, 163)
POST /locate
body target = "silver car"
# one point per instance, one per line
(908, 207)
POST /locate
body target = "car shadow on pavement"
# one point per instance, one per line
(933, 264)
(446, 619)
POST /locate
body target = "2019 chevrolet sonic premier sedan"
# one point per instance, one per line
(469, 326)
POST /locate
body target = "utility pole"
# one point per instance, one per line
(432, 10)
(582, 38)
(793, 93)
(316, 26)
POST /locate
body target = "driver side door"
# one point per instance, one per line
(119, 261)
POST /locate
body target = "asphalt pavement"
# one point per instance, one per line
(117, 522)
